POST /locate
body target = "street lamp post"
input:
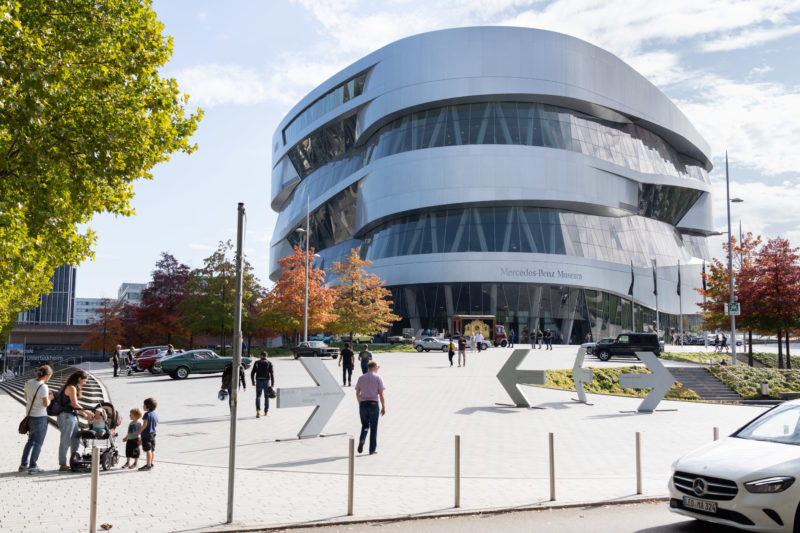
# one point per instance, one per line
(730, 259)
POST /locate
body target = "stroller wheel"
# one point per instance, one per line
(105, 460)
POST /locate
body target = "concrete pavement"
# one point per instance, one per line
(281, 480)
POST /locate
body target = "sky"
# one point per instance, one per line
(730, 66)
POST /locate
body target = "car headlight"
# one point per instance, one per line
(769, 485)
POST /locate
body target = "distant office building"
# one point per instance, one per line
(86, 310)
(56, 307)
(131, 293)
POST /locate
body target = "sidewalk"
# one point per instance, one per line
(278, 481)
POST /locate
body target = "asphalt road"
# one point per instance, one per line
(649, 517)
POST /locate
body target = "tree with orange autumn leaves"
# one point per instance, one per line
(362, 302)
(283, 308)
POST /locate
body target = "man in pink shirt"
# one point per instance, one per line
(369, 389)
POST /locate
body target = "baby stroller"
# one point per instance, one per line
(81, 460)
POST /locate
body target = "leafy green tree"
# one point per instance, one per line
(209, 304)
(362, 303)
(84, 113)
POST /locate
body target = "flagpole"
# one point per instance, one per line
(680, 305)
(633, 305)
(655, 291)
(705, 334)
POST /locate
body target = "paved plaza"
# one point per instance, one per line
(281, 480)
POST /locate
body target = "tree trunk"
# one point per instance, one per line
(750, 352)
(191, 340)
(780, 349)
(169, 337)
(788, 357)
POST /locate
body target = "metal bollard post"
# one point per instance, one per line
(458, 471)
(552, 470)
(638, 463)
(93, 497)
(351, 470)
(716, 433)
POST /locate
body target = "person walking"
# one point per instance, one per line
(511, 337)
(131, 359)
(346, 362)
(365, 356)
(262, 376)
(539, 339)
(369, 390)
(68, 418)
(716, 342)
(227, 380)
(723, 344)
(462, 351)
(548, 339)
(479, 341)
(451, 350)
(473, 341)
(37, 398)
(115, 359)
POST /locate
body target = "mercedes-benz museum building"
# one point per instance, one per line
(501, 171)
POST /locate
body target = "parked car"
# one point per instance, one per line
(431, 343)
(315, 349)
(591, 347)
(627, 344)
(180, 365)
(747, 480)
(484, 343)
(146, 362)
(358, 337)
(320, 337)
(144, 352)
(399, 339)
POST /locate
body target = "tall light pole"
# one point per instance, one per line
(730, 259)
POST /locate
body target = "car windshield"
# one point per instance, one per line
(316, 344)
(781, 424)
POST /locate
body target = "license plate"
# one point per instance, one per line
(699, 505)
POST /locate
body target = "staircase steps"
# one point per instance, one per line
(704, 383)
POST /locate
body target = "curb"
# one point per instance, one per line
(544, 506)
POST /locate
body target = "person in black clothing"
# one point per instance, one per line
(115, 360)
(346, 362)
(548, 339)
(263, 378)
(227, 379)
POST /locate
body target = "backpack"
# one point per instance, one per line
(56, 406)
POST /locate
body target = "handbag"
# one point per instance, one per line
(271, 392)
(23, 426)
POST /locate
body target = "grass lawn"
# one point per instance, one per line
(691, 357)
(746, 381)
(771, 359)
(606, 381)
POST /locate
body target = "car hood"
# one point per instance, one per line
(734, 458)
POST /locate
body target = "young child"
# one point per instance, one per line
(132, 439)
(99, 425)
(148, 432)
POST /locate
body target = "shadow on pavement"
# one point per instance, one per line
(690, 526)
(289, 464)
(473, 410)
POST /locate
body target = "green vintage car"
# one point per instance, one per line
(180, 365)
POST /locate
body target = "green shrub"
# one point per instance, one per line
(747, 381)
(606, 381)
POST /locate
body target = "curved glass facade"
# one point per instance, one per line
(569, 312)
(525, 230)
(519, 123)
(328, 102)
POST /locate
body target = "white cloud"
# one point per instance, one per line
(212, 85)
(749, 38)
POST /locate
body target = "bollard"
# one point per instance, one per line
(93, 497)
(458, 471)
(716, 433)
(351, 470)
(552, 470)
(638, 463)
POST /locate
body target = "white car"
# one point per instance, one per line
(431, 343)
(748, 480)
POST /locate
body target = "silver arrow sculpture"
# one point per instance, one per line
(510, 377)
(325, 396)
(581, 375)
(659, 381)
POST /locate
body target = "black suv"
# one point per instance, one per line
(627, 344)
